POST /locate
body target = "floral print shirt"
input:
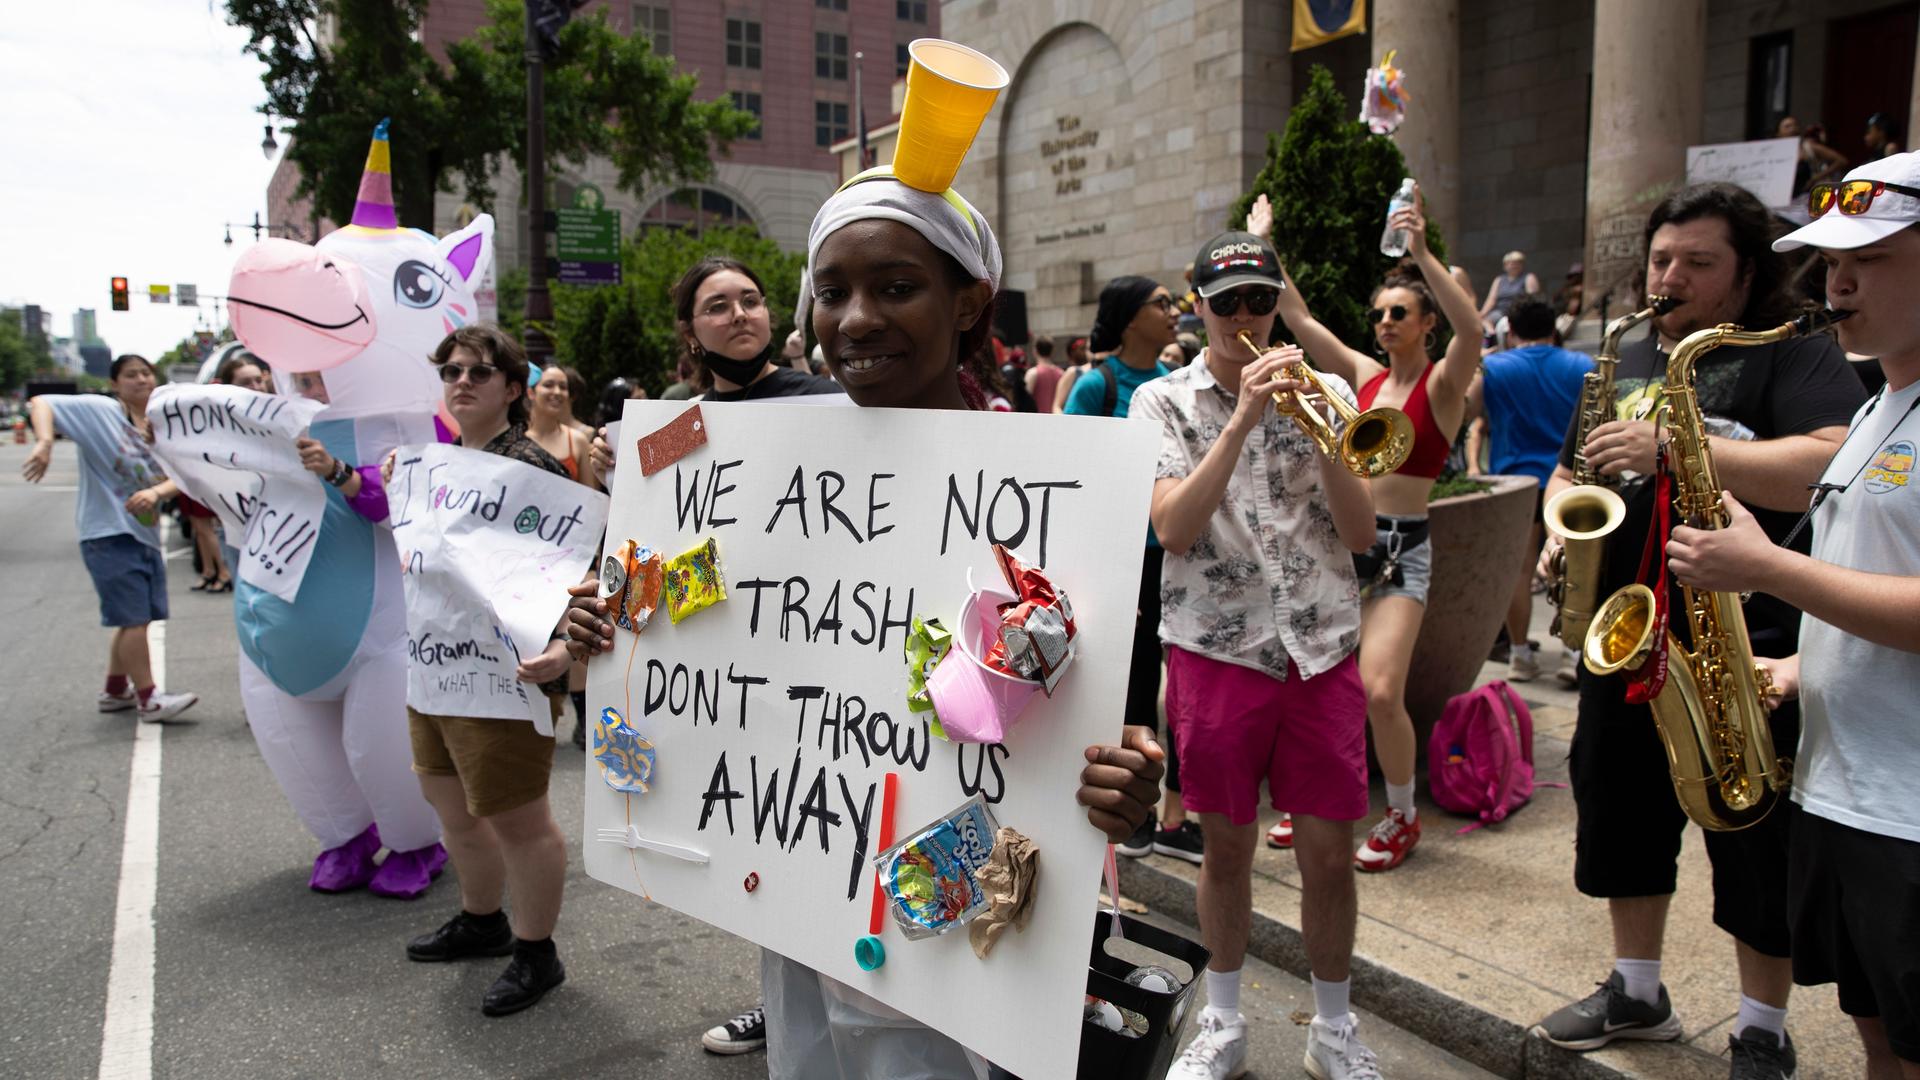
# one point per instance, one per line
(1268, 580)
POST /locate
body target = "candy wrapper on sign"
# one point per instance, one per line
(631, 580)
(1383, 102)
(927, 644)
(1036, 639)
(931, 879)
(693, 580)
(625, 756)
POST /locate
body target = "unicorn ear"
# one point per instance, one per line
(470, 250)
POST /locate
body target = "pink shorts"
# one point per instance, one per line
(1234, 726)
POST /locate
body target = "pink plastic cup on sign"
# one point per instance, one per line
(975, 703)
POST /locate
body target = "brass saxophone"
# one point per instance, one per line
(1712, 713)
(1586, 513)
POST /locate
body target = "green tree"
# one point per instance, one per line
(607, 95)
(20, 357)
(1329, 180)
(627, 330)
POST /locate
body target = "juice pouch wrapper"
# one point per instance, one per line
(931, 878)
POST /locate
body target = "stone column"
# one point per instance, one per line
(1648, 97)
(1427, 33)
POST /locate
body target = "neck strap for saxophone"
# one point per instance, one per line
(1645, 682)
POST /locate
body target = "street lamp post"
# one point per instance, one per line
(259, 227)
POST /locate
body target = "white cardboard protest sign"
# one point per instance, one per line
(1764, 167)
(776, 714)
(489, 546)
(232, 451)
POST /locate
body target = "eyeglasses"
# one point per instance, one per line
(1397, 313)
(477, 374)
(1853, 196)
(722, 308)
(1164, 303)
(1259, 301)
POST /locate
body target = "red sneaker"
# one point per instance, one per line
(1281, 835)
(1388, 843)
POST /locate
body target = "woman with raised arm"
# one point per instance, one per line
(1406, 311)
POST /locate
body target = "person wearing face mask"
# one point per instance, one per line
(1406, 313)
(722, 316)
(117, 517)
(1773, 416)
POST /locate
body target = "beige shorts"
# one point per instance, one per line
(502, 764)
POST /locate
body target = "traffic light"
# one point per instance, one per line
(119, 294)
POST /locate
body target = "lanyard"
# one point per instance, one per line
(1822, 490)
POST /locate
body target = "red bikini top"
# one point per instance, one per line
(1430, 447)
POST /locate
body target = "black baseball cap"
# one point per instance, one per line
(1232, 259)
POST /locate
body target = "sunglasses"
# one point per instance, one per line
(1259, 301)
(1397, 313)
(1853, 196)
(477, 374)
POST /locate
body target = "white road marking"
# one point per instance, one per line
(126, 1035)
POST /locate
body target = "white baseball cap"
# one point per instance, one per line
(1893, 208)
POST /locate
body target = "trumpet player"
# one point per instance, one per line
(1406, 311)
(1260, 612)
(1853, 869)
(1773, 415)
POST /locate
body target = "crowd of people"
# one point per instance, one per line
(1281, 596)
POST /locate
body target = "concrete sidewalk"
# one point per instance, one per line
(1476, 937)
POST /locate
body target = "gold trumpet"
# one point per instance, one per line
(1369, 444)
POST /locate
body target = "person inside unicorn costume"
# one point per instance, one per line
(351, 321)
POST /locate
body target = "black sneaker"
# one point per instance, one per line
(1608, 1014)
(464, 936)
(1140, 844)
(1761, 1055)
(741, 1035)
(529, 975)
(1182, 842)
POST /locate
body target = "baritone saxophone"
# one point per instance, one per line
(1584, 515)
(1712, 713)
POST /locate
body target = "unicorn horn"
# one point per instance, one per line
(373, 208)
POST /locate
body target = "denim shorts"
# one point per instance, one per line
(130, 577)
(1416, 563)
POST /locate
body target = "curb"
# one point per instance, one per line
(1494, 1043)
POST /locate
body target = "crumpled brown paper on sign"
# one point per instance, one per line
(1011, 877)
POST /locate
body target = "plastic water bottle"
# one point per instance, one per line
(1393, 242)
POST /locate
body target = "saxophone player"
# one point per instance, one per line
(1854, 862)
(1774, 414)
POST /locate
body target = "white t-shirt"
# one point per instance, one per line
(1859, 740)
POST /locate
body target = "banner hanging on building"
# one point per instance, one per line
(1316, 22)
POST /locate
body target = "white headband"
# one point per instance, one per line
(948, 221)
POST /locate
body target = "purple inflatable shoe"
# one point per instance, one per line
(407, 874)
(348, 866)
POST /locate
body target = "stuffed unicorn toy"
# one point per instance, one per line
(351, 321)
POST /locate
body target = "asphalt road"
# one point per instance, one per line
(255, 976)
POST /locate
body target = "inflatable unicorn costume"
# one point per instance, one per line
(324, 678)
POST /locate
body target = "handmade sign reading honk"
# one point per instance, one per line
(232, 451)
(488, 546)
(774, 715)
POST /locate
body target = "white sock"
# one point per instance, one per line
(1522, 652)
(1759, 1014)
(1223, 994)
(1330, 1000)
(1400, 797)
(1642, 978)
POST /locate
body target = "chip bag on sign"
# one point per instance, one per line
(1037, 631)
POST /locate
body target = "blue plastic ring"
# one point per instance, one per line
(869, 952)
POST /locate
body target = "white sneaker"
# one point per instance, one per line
(1569, 673)
(1336, 1052)
(119, 702)
(1219, 1052)
(164, 706)
(1523, 664)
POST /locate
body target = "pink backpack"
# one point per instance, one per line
(1480, 755)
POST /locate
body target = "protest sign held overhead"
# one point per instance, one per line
(489, 547)
(773, 712)
(232, 450)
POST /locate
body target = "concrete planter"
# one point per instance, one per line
(1478, 541)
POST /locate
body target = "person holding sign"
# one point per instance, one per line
(487, 777)
(1407, 309)
(117, 517)
(1261, 619)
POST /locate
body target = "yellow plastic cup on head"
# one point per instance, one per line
(950, 89)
